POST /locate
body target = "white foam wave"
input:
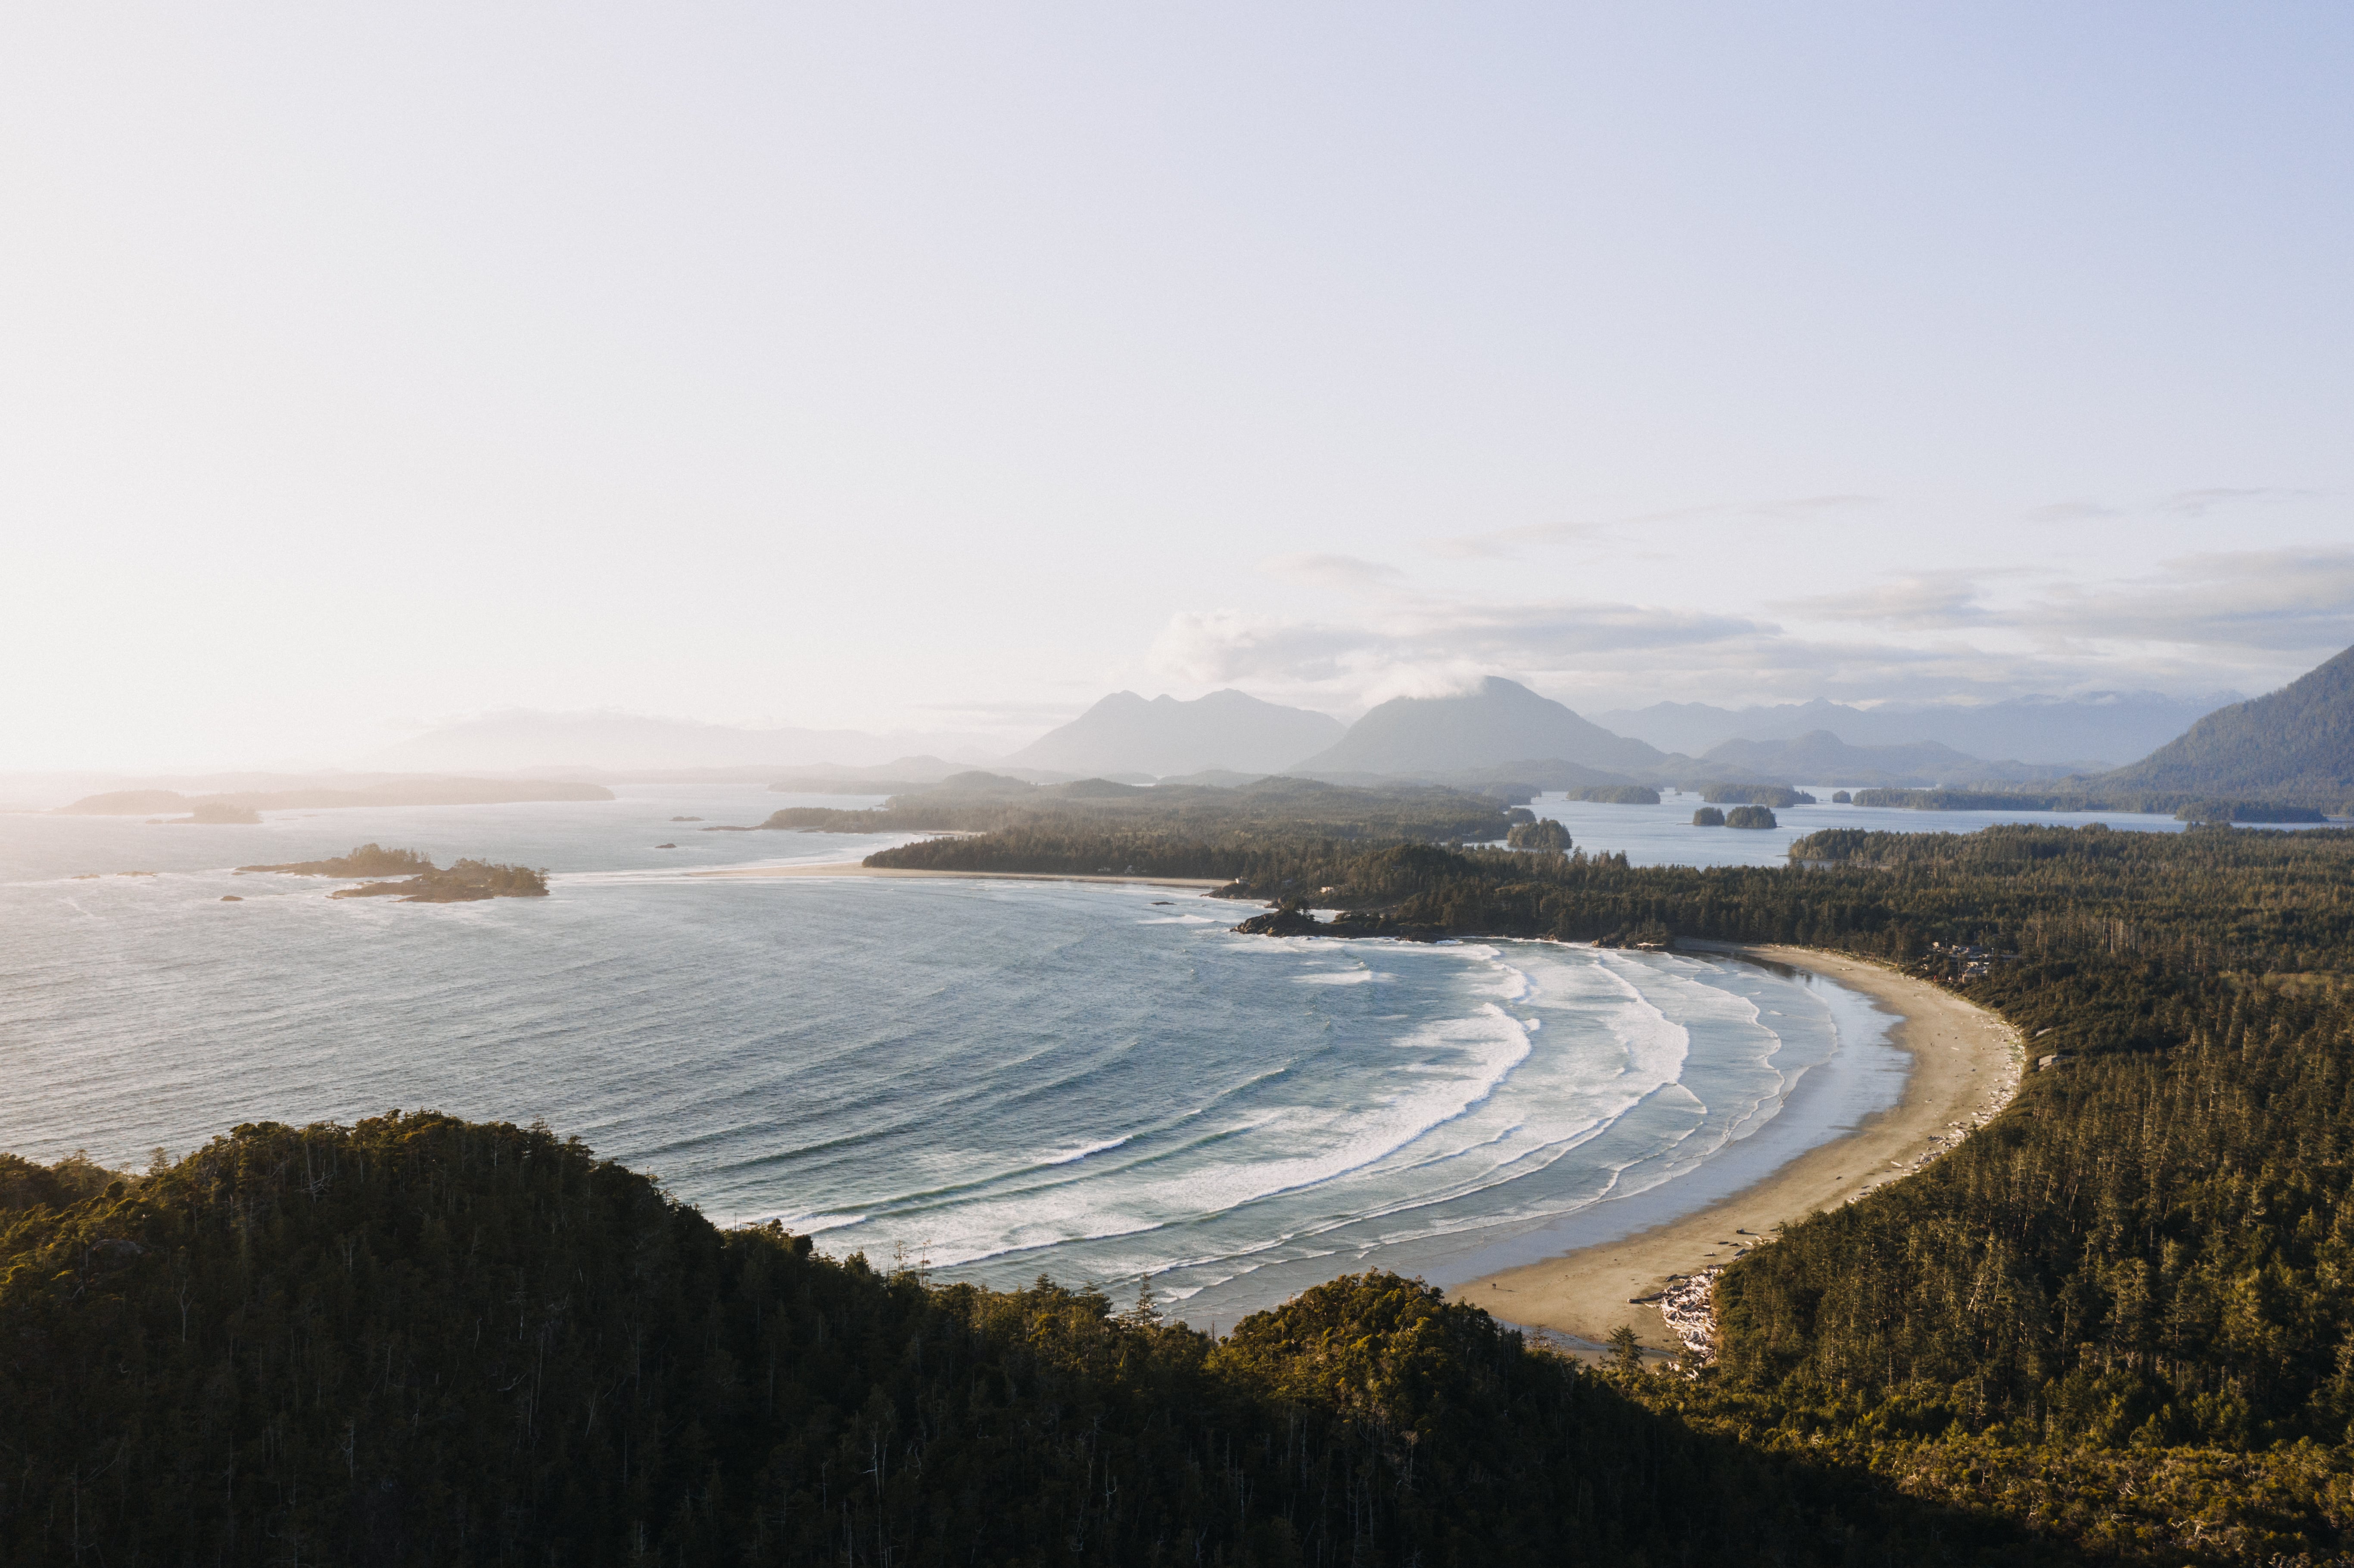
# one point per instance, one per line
(1071, 1157)
(1284, 1149)
(818, 1224)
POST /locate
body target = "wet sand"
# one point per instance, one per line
(1966, 1065)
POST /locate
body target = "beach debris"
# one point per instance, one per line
(1689, 1306)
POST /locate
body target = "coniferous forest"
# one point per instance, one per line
(2116, 1325)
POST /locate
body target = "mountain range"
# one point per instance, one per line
(2087, 734)
(1821, 757)
(2296, 745)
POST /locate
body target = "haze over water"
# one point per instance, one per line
(1003, 1078)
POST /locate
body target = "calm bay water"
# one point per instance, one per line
(1664, 836)
(1002, 1079)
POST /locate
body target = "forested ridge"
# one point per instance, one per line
(1088, 810)
(2116, 1325)
(418, 1340)
(2294, 745)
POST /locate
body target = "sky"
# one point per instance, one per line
(942, 368)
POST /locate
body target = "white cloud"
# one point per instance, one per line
(2270, 600)
(2247, 619)
(1412, 644)
(1342, 573)
(2071, 512)
(1502, 543)
(1920, 600)
(2199, 502)
(1505, 543)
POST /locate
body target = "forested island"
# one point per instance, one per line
(1538, 834)
(420, 881)
(1768, 795)
(1615, 794)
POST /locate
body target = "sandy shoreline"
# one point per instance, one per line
(856, 868)
(1966, 1065)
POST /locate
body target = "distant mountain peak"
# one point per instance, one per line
(1498, 722)
(1127, 732)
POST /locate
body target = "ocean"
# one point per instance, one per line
(986, 1080)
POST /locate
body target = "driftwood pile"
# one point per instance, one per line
(1689, 1304)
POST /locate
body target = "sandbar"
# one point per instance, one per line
(858, 868)
(1966, 1067)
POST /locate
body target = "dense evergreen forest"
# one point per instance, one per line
(2117, 1325)
(2085, 797)
(416, 1340)
(1235, 819)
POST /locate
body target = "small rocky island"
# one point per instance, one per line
(421, 882)
(1546, 836)
(1288, 918)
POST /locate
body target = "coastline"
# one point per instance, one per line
(859, 868)
(1966, 1065)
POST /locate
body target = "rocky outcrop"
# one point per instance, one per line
(1288, 918)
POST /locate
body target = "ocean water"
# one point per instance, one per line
(991, 1079)
(1664, 836)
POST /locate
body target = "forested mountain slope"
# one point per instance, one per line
(2295, 743)
(421, 1341)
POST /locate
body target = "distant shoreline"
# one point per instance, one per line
(1966, 1065)
(859, 868)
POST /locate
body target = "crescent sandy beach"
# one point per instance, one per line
(1966, 1065)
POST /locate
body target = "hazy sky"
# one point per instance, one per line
(945, 367)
